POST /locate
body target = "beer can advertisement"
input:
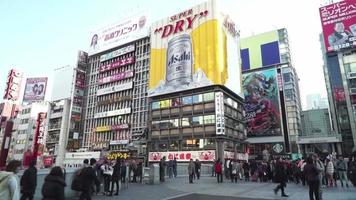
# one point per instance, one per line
(195, 48)
(262, 113)
(338, 21)
(35, 89)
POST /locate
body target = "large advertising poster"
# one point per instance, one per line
(117, 34)
(339, 25)
(194, 48)
(262, 113)
(35, 89)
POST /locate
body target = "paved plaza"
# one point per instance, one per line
(207, 188)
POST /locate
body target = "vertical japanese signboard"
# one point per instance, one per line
(13, 85)
(219, 113)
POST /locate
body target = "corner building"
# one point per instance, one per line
(340, 70)
(195, 87)
(116, 95)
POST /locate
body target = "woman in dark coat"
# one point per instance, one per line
(53, 187)
(280, 177)
(116, 176)
(29, 182)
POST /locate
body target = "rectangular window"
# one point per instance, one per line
(209, 119)
(155, 105)
(174, 123)
(165, 103)
(208, 96)
(187, 100)
(187, 121)
(155, 124)
(198, 98)
(176, 102)
(199, 120)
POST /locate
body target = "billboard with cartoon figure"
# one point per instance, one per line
(262, 112)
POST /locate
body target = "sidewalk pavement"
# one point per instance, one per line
(207, 188)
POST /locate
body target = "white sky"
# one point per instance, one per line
(38, 36)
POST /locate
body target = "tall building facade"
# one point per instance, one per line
(195, 87)
(115, 98)
(272, 98)
(339, 56)
(317, 134)
(24, 138)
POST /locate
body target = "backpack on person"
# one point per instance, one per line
(76, 181)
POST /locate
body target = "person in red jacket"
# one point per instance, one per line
(218, 171)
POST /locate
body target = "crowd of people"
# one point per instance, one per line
(86, 181)
(312, 171)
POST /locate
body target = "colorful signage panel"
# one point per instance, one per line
(117, 53)
(35, 89)
(195, 48)
(183, 156)
(13, 85)
(239, 156)
(39, 137)
(260, 50)
(117, 34)
(338, 21)
(116, 77)
(116, 127)
(117, 64)
(262, 113)
(114, 100)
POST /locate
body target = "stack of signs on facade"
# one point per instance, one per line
(339, 25)
(79, 86)
(13, 85)
(262, 109)
(35, 89)
(195, 48)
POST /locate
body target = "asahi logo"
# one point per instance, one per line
(179, 57)
(185, 21)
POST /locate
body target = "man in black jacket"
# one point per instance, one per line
(280, 177)
(88, 178)
(29, 182)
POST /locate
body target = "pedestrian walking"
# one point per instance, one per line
(321, 170)
(88, 178)
(197, 168)
(9, 181)
(139, 171)
(170, 168)
(280, 177)
(29, 181)
(341, 166)
(116, 177)
(133, 170)
(191, 168)
(162, 168)
(213, 174)
(107, 172)
(246, 169)
(330, 172)
(123, 171)
(312, 177)
(53, 187)
(233, 169)
(175, 167)
(218, 171)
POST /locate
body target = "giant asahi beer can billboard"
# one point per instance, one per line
(195, 48)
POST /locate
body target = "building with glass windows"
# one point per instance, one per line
(272, 99)
(115, 98)
(187, 121)
(317, 136)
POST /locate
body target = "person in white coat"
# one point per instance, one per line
(330, 172)
(9, 181)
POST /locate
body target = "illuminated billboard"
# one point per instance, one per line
(262, 112)
(35, 89)
(338, 21)
(194, 48)
(260, 50)
(131, 29)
